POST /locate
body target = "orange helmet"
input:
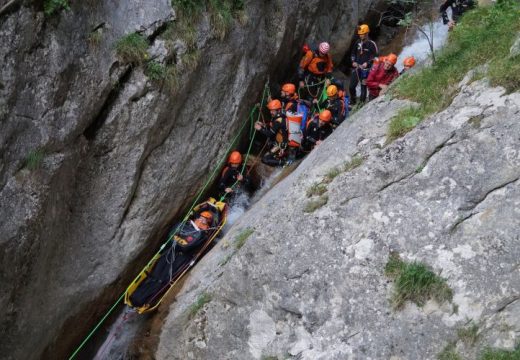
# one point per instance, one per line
(274, 105)
(235, 158)
(325, 115)
(332, 90)
(409, 61)
(379, 60)
(289, 88)
(391, 58)
(363, 29)
(207, 214)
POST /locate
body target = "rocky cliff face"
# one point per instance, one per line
(311, 285)
(96, 159)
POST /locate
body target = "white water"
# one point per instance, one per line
(419, 47)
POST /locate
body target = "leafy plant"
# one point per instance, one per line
(202, 300)
(51, 7)
(155, 71)
(242, 237)
(132, 49)
(34, 159)
(415, 282)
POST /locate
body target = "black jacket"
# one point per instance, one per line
(458, 7)
(364, 52)
(277, 126)
(315, 132)
(228, 178)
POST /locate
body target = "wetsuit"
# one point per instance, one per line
(229, 177)
(278, 136)
(316, 133)
(363, 51)
(458, 7)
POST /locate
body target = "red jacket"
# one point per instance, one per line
(378, 75)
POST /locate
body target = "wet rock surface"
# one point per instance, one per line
(114, 155)
(312, 285)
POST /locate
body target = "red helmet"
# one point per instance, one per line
(325, 115)
(235, 158)
(274, 105)
(289, 88)
(324, 48)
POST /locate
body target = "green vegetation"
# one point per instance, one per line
(221, 13)
(500, 354)
(34, 159)
(51, 7)
(190, 60)
(171, 78)
(484, 35)
(405, 120)
(331, 174)
(317, 188)
(226, 259)
(355, 162)
(202, 300)
(313, 205)
(155, 71)
(240, 240)
(469, 334)
(94, 38)
(415, 282)
(131, 49)
(449, 353)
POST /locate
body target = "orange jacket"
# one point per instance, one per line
(316, 64)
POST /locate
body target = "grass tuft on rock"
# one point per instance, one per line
(132, 49)
(356, 161)
(469, 334)
(34, 159)
(484, 35)
(155, 71)
(241, 238)
(315, 204)
(415, 282)
(449, 353)
(331, 175)
(500, 354)
(51, 7)
(316, 189)
(202, 300)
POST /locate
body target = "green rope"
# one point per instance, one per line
(97, 326)
(201, 192)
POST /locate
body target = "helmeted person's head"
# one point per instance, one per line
(274, 107)
(325, 117)
(390, 61)
(288, 91)
(324, 48)
(363, 31)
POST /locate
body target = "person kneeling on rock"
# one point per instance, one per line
(318, 130)
(381, 76)
(276, 133)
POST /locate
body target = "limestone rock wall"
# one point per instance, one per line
(117, 156)
(312, 285)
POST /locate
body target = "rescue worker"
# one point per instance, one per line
(231, 174)
(289, 97)
(335, 104)
(315, 67)
(318, 130)
(458, 7)
(362, 56)
(408, 63)
(381, 76)
(276, 133)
